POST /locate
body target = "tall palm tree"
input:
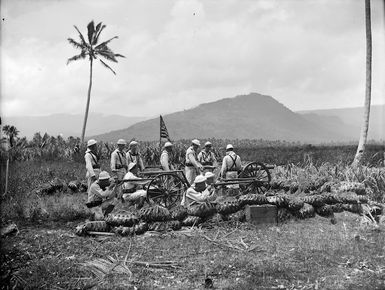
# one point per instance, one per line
(12, 133)
(368, 87)
(92, 49)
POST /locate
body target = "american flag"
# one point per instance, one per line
(163, 130)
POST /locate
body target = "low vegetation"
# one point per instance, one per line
(297, 254)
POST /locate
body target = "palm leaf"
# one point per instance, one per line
(82, 55)
(91, 31)
(97, 28)
(75, 44)
(105, 42)
(107, 55)
(81, 36)
(107, 66)
(119, 55)
(98, 34)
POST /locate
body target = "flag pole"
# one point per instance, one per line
(160, 135)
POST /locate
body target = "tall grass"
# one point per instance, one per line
(372, 177)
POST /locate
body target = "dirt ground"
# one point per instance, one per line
(307, 254)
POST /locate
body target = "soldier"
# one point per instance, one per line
(198, 192)
(133, 190)
(231, 164)
(207, 157)
(92, 165)
(193, 167)
(133, 156)
(101, 196)
(118, 160)
(165, 158)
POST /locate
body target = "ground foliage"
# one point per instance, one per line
(335, 253)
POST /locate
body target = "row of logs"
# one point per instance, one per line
(158, 218)
(59, 185)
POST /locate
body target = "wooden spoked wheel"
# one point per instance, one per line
(261, 175)
(166, 189)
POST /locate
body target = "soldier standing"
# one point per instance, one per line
(207, 158)
(165, 158)
(118, 160)
(193, 167)
(231, 165)
(133, 156)
(92, 165)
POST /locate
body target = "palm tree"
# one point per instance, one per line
(368, 87)
(11, 132)
(92, 49)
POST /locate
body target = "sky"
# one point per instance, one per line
(181, 53)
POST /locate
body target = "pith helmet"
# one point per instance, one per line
(104, 175)
(229, 147)
(196, 142)
(200, 179)
(91, 142)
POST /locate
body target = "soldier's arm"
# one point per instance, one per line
(113, 161)
(196, 196)
(215, 162)
(200, 157)
(194, 162)
(141, 165)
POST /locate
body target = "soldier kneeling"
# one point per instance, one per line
(132, 190)
(101, 196)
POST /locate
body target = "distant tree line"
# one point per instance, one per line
(45, 147)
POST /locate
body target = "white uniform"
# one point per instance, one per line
(92, 166)
(192, 196)
(192, 165)
(118, 161)
(165, 161)
(207, 158)
(101, 199)
(135, 158)
(230, 166)
(130, 186)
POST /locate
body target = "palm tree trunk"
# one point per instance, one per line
(368, 87)
(88, 102)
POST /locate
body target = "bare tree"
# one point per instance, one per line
(368, 87)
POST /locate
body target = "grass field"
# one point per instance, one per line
(303, 254)
(310, 254)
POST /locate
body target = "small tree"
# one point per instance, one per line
(11, 132)
(92, 49)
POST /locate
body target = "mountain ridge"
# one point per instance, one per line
(252, 116)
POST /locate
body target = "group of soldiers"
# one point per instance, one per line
(103, 189)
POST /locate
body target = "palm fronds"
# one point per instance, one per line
(82, 55)
(107, 66)
(91, 48)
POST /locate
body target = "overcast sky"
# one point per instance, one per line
(306, 54)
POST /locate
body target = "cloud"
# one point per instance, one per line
(306, 54)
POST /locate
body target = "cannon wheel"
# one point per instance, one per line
(166, 189)
(258, 171)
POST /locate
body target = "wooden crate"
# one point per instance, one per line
(262, 214)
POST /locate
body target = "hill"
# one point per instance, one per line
(69, 125)
(353, 118)
(252, 116)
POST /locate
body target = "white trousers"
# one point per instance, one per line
(135, 195)
(190, 173)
